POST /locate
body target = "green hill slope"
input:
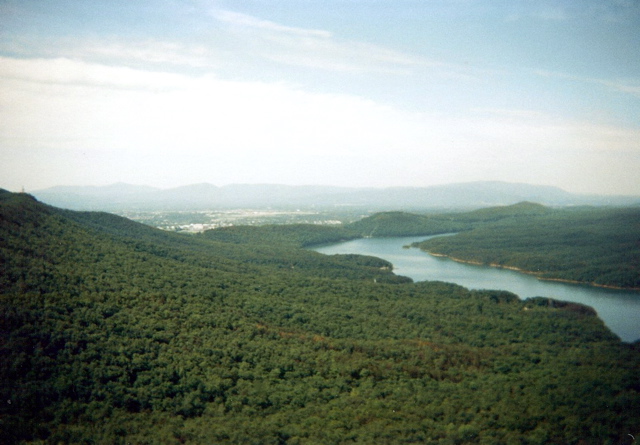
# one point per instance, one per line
(405, 224)
(598, 246)
(292, 235)
(409, 224)
(113, 332)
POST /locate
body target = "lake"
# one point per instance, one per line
(619, 309)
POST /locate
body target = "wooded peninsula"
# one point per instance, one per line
(115, 332)
(597, 246)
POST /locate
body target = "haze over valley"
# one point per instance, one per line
(208, 196)
(215, 218)
(347, 94)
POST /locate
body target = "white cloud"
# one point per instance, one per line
(76, 73)
(231, 42)
(621, 86)
(147, 51)
(510, 113)
(117, 120)
(627, 86)
(244, 20)
(117, 108)
(541, 131)
(315, 48)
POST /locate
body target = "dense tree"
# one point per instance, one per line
(114, 332)
(591, 245)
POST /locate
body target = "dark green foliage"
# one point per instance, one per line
(408, 224)
(520, 210)
(378, 225)
(293, 235)
(113, 332)
(591, 245)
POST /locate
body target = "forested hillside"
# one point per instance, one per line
(114, 332)
(292, 235)
(377, 225)
(409, 224)
(591, 245)
(598, 246)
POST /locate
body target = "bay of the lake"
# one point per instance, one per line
(619, 309)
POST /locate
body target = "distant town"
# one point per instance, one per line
(199, 221)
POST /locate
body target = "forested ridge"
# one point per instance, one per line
(591, 245)
(599, 246)
(409, 224)
(380, 224)
(114, 332)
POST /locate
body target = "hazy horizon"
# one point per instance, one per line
(338, 93)
(328, 186)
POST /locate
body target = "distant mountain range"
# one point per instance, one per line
(207, 196)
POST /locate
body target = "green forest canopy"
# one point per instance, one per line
(598, 246)
(593, 245)
(114, 332)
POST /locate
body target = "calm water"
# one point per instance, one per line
(620, 310)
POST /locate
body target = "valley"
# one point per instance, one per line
(618, 309)
(319, 223)
(116, 332)
(199, 221)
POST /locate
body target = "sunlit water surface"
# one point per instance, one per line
(620, 310)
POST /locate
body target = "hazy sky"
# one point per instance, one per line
(335, 92)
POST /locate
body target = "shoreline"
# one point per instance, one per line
(529, 272)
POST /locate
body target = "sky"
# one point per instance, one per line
(359, 93)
